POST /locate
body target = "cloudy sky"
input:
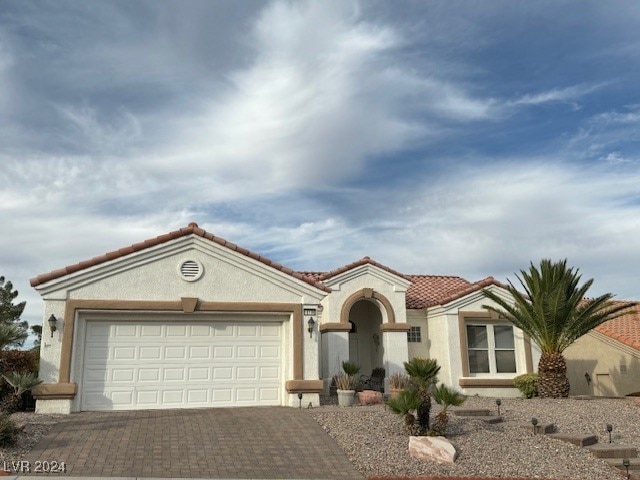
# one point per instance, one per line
(442, 137)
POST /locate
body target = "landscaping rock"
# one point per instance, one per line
(369, 397)
(437, 449)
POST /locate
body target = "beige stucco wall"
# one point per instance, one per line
(153, 275)
(605, 360)
(418, 318)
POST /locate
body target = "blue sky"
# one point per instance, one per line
(441, 137)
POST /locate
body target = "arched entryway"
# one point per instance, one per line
(365, 338)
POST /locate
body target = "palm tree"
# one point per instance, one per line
(404, 405)
(423, 374)
(21, 382)
(11, 334)
(554, 312)
(445, 397)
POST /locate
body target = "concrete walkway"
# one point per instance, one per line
(260, 442)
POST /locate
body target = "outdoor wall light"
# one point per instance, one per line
(52, 324)
(609, 430)
(534, 422)
(587, 377)
(311, 323)
(625, 464)
(498, 403)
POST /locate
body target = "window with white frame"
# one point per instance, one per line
(414, 335)
(491, 348)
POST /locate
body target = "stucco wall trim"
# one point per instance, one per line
(55, 391)
(485, 382)
(304, 386)
(366, 293)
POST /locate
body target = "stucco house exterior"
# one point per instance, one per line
(606, 361)
(189, 320)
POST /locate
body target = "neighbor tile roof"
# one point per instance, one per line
(191, 229)
(625, 329)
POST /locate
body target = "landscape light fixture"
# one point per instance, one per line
(311, 323)
(625, 464)
(52, 324)
(609, 429)
(498, 403)
(300, 400)
(534, 422)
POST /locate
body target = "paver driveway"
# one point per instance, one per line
(260, 442)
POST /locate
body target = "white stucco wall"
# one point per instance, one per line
(365, 276)
(418, 318)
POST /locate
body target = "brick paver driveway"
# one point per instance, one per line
(261, 442)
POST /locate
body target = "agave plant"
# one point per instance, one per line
(404, 405)
(445, 397)
(21, 382)
(350, 368)
(423, 373)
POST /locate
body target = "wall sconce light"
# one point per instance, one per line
(311, 323)
(52, 324)
(587, 377)
(376, 340)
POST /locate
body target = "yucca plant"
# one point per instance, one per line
(404, 405)
(554, 312)
(445, 397)
(423, 373)
(21, 382)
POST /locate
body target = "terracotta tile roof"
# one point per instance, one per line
(363, 261)
(427, 290)
(191, 229)
(625, 329)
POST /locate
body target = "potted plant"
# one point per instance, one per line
(346, 385)
(398, 382)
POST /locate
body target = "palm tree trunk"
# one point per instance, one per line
(552, 380)
(424, 410)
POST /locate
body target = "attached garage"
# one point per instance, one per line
(152, 362)
(183, 320)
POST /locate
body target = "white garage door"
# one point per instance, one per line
(149, 365)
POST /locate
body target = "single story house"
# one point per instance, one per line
(606, 361)
(188, 320)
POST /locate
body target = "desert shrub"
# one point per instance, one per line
(24, 361)
(527, 384)
(344, 381)
(8, 430)
(399, 380)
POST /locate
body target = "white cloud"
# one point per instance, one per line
(567, 95)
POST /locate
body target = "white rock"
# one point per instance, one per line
(438, 449)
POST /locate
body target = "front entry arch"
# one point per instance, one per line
(367, 294)
(365, 338)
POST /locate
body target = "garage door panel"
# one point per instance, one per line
(176, 364)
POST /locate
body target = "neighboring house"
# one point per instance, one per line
(188, 319)
(606, 361)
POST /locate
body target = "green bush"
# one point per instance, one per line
(350, 368)
(8, 431)
(25, 361)
(527, 384)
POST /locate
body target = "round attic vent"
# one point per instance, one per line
(190, 270)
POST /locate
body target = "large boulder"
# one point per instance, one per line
(437, 449)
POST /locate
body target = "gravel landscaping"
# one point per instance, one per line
(373, 438)
(33, 428)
